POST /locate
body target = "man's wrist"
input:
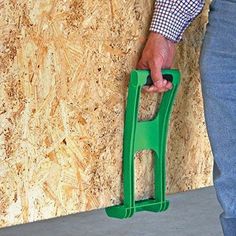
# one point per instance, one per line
(157, 35)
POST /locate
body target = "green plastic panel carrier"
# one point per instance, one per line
(145, 135)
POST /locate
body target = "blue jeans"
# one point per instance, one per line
(218, 84)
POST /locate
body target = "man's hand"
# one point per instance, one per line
(158, 54)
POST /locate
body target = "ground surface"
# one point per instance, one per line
(193, 213)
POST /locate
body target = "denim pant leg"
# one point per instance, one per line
(218, 83)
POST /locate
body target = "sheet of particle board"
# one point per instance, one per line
(64, 70)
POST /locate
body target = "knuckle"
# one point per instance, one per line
(158, 60)
(155, 63)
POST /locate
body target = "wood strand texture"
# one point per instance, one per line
(64, 70)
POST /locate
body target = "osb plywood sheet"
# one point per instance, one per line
(64, 71)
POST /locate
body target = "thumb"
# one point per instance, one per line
(156, 75)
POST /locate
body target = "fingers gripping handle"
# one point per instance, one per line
(149, 81)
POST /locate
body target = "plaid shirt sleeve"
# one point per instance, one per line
(172, 17)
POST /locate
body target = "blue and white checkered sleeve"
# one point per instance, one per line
(172, 17)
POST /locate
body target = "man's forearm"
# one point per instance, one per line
(172, 17)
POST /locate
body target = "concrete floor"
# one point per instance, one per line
(193, 213)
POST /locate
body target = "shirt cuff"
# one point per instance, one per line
(169, 21)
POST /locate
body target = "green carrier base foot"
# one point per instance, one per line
(145, 135)
(123, 212)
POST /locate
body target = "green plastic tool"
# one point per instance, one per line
(145, 135)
